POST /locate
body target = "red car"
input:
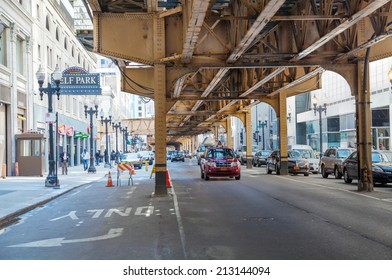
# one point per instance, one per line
(220, 162)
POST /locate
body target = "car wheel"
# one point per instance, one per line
(323, 172)
(206, 177)
(254, 164)
(347, 179)
(306, 174)
(238, 177)
(183, 160)
(258, 165)
(337, 173)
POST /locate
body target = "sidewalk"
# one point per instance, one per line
(20, 194)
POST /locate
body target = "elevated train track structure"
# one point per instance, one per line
(207, 60)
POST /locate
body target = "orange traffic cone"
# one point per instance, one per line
(168, 180)
(110, 182)
(133, 171)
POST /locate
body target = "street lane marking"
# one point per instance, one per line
(75, 193)
(179, 222)
(333, 188)
(57, 242)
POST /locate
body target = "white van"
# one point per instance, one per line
(307, 153)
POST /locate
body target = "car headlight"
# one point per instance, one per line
(377, 169)
(235, 163)
(211, 164)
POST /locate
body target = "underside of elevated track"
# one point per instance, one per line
(205, 61)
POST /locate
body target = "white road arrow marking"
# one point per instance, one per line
(56, 242)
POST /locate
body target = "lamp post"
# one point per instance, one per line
(124, 130)
(51, 179)
(116, 126)
(91, 112)
(105, 121)
(262, 125)
(319, 109)
(390, 75)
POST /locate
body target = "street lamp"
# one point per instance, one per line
(106, 121)
(91, 112)
(116, 126)
(390, 75)
(262, 125)
(51, 179)
(319, 109)
(125, 136)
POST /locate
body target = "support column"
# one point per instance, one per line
(78, 151)
(160, 107)
(364, 143)
(248, 130)
(283, 133)
(71, 152)
(228, 133)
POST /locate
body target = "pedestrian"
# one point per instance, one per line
(381, 146)
(64, 156)
(85, 157)
(112, 157)
(97, 157)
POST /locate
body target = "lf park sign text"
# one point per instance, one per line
(77, 81)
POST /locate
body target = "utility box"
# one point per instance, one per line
(30, 153)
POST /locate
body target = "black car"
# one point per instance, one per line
(178, 156)
(260, 158)
(296, 164)
(381, 167)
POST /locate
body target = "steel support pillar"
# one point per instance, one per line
(283, 132)
(160, 108)
(248, 130)
(364, 143)
(229, 133)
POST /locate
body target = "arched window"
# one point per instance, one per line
(47, 22)
(57, 34)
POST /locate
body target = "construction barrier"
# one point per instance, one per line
(123, 167)
(110, 182)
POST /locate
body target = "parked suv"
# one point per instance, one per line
(295, 163)
(220, 162)
(332, 160)
(242, 153)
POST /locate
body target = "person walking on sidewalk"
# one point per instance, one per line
(64, 156)
(86, 158)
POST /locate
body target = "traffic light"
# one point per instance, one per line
(259, 138)
(255, 136)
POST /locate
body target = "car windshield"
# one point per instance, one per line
(130, 156)
(220, 153)
(294, 154)
(381, 157)
(343, 153)
(265, 153)
(305, 153)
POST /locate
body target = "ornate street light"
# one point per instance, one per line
(319, 109)
(116, 126)
(51, 179)
(124, 130)
(262, 125)
(91, 112)
(106, 121)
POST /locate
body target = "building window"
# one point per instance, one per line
(74, 106)
(47, 22)
(19, 55)
(39, 51)
(65, 43)
(3, 49)
(38, 12)
(68, 103)
(57, 34)
(78, 58)
(73, 51)
(20, 2)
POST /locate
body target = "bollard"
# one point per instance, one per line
(146, 165)
(4, 171)
(16, 169)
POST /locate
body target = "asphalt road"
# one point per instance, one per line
(259, 217)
